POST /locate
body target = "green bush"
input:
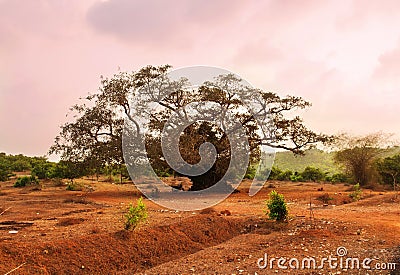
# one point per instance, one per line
(312, 174)
(5, 170)
(338, 177)
(251, 172)
(296, 177)
(277, 206)
(356, 194)
(136, 214)
(273, 174)
(5, 174)
(20, 165)
(72, 186)
(285, 175)
(25, 180)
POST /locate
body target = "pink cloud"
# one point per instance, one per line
(342, 56)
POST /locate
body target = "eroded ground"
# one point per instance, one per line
(54, 231)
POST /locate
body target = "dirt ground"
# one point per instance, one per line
(50, 230)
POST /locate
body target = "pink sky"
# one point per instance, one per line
(343, 56)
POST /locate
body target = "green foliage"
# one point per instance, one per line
(42, 168)
(313, 158)
(25, 180)
(312, 174)
(338, 177)
(272, 174)
(69, 170)
(163, 173)
(5, 167)
(39, 166)
(389, 170)
(135, 215)
(96, 131)
(356, 194)
(296, 177)
(5, 174)
(251, 172)
(277, 206)
(21, 164)
(284, 175)
(73, 186)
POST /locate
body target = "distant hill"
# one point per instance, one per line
(391, 151)
(316, 158)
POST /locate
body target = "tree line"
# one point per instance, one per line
(374, 168)
(42, 168)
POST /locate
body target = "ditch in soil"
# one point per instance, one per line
(135, 251)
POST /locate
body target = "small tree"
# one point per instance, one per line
(42, 168)
(358, 154)
(356, 194)
(136, 214)
(277, 206)
(389, 170)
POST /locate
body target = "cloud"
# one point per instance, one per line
(157, 21)
(343, 56)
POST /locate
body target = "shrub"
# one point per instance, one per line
(312, 174)
(338, 177)
(42, 168)
(277, 206)
(273, 173)
(5, 171)
(325, 198)
(72, 186)
(25, 180)
(356, 194)
(251, 172)
(20, 165)
(136, 214)
(296, 177)
(285, 175)
(5, 174)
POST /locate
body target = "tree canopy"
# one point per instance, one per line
(94, 136)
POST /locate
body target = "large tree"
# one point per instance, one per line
(97, 130)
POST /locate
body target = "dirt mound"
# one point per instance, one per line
(182, 183)
(120, 251)
(376, 200)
